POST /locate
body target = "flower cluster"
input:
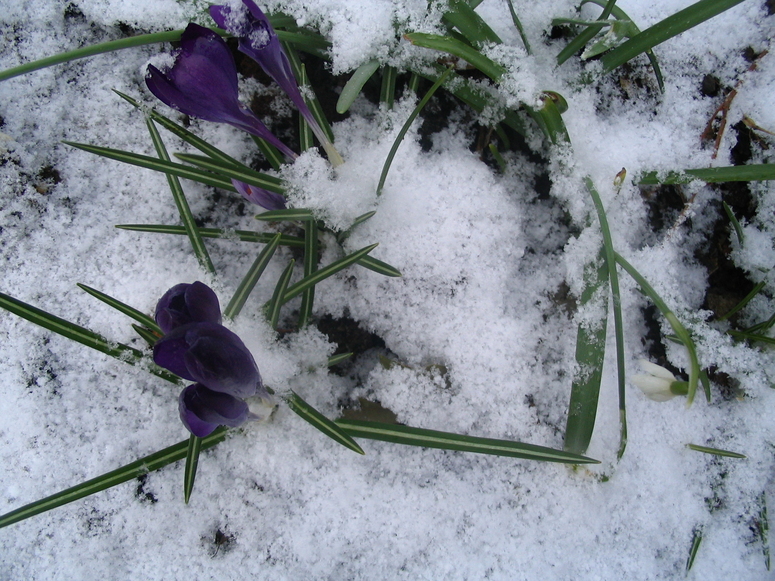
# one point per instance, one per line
(198, 348)
(203, 83)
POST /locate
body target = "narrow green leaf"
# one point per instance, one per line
(549, 119)
(459, 49)
(745, 336)
(735, 223)
(497, 157)
(313, 103)
(678, 328)
(715, 451)
(387, 94)
(590, 356)
(335, 359)
(764, 529)
(617, 308)
(518, 25)
(405, 128)
(755, 291)
(149, 336)
(251, 278)
(270, 152)
(272, 308)
(586, 35)
(230, 172)
(696, 542)
(444, 440)
(242, 235)
(620, 14)
(475, 30)
(665, 29)
(81, 335)
(125, 473)
(354, 85)
(712, 175)
(378, 266)
(288, 214)
(470, 94)
(192, 461)
(305, 131)
(87, 51)
(198, 245)
(310, 267)
(325, 272)
(321, 422)
(156, 164)
(131, 312)
(183, 133)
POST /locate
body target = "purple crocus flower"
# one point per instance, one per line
(212, 355)
(202, 410)
(259, 41)
(187, 303)
(203, 83)
(260, 196)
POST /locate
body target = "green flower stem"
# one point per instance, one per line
(678, 328)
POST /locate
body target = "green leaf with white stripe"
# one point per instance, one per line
(81, 335)
(131, 312)
(192, 462)
(321, 422)
(125, 473)
(447, 441)
(251, 278)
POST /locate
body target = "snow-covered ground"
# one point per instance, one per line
(484, 260)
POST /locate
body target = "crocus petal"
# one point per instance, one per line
(259, 41)
(203, 83)
(202, 410)
(210, 354)
(187, 303)
(260, 196)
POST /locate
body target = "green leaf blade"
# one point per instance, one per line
(321, 422)
(447, 441)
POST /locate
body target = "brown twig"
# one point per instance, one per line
(723, 110)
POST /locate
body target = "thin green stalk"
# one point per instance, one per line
(200, 250)
(715, 451)
(696, 542)
(735, 223)
(713, 175)
(459, 49)
(617, 308)
(387, 94)
(745, 301)
(405, 128)
(678, 328)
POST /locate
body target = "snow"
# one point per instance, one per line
(485, 258)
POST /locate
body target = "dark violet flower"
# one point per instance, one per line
(203, 83)
(259, 41)
(212, 355)
(202, 410)
(187, 303)
(260, 196)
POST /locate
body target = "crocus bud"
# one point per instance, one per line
(212, 355)
(187, 303)
(658, 383)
